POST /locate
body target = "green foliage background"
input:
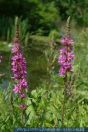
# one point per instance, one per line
(42, 15)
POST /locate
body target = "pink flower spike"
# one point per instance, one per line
(18, 67)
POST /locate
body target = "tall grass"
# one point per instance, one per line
(7, 28)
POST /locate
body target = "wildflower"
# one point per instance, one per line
(65, 61)
(18, 66)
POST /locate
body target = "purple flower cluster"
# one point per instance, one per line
(18, 65)
(66, 55)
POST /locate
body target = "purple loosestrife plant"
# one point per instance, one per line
(18, 65)
(65, 59)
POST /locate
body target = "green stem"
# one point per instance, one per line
(23, 118)
(64, 100)
(63, 112)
